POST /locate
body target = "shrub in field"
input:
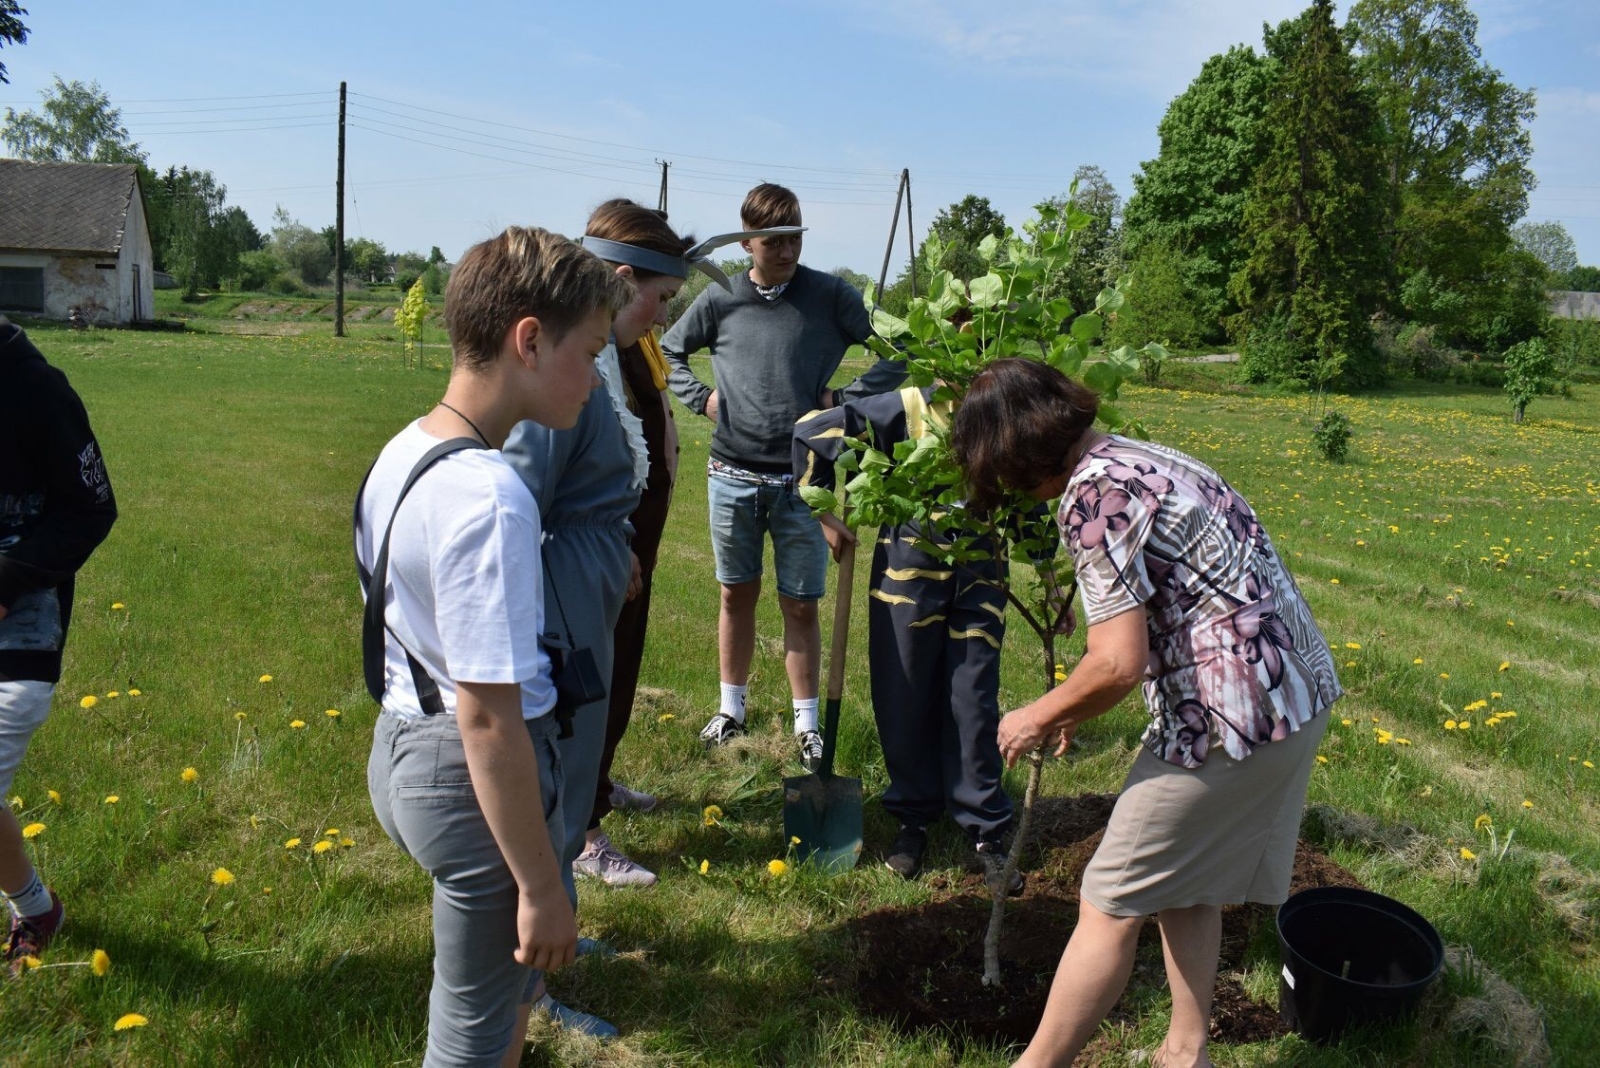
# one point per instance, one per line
(256, 269)
(1530, 371)
(1004, 312)
(1332, 436)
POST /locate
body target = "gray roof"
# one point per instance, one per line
(65, 207)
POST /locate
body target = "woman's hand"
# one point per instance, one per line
(1023, 731)
(547, 932)
(836, 534)
(635, 577)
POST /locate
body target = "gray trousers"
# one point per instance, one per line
(424, 799)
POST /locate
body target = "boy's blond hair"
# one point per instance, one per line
(769, 204)
(525, 271)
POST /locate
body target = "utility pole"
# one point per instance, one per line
(911, 231)
(661, 205)
(338, 225)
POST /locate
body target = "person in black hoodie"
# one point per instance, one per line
(56, 506)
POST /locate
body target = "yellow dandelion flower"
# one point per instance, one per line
(117, 606)
(1510, 623)
(776, 868)
(1418, 660)
(1586, 763)
(1496, 694)
(665, 717)
(293, 843)
(322, 846)
(1467, 854)
(135, 693)
(114, 693)
(297, 724)
(1466, 725)
(265, 678)
(1402, 741)
(1449, 724)
(1506, 715)
(89, 701)
(1482, 821)
(1352, 645)
(266, 889)
(55, 798)
(794, 840)
(222, 877)
(33, 830)
(100, 962)
(705, 867)
(1321, 759)
(1444, 674)
(331, 713)
(30, 961)
(1505, 665)
(1061, 676)
(190, 775)
(128, 1021)
(331, 832)
(347, 842)
(112, 799)
(711, 815)
(1426, 791)
(255, 821)
(1333, 582)
(240, 716)
(1346, 721)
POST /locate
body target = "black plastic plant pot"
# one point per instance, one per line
(1351, 957)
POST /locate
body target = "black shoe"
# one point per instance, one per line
(992, 855)
(905, 854)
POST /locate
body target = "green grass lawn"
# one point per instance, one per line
(1451, 564)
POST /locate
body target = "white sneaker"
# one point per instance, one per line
(604, 861)
(572, 1020)
(622, 797)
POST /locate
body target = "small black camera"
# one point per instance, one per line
(577, 680)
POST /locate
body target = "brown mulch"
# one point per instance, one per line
(922, 967)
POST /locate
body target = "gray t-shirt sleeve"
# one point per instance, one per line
(695, 331)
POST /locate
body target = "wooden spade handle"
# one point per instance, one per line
(841, 620)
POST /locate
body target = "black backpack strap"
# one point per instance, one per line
(373, 582)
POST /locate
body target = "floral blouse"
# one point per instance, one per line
(1235, 658)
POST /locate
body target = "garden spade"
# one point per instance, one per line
(823, 810)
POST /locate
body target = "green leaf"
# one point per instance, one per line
(873, 460)
(887, 325)
(1056, 311)
(988, 248)
(819, 499)
(988, 291)
(1101, 378)
(1087, 327)
(1109, 300)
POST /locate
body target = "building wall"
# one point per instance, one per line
(1571, 305)
(74, 282)
(135, 271)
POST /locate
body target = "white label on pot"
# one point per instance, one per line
(1288, 976)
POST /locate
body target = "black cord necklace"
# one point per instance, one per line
(469, 422)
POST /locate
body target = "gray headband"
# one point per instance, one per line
(698, 257)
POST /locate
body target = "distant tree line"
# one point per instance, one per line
(195, 235)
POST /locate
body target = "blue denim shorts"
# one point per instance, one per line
(743, 513)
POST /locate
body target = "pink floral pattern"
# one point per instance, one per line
(1236, 661)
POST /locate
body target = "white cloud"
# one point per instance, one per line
(1154, 46)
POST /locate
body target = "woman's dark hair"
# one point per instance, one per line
(634, 224)
(1014, 427)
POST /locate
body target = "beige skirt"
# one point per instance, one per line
(1220, 834)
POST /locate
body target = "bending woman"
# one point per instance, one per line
(1183, 590)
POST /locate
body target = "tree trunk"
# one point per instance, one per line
(1516, 414)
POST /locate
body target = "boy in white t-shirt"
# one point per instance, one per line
(465, 748)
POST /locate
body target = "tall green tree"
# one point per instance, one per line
(1312, 225)
(960, 228)
(300, 248)
(1455, 139)
(12, 31)
(1190, 199)
(76, 123)
(1550, 243)
(1096, 260)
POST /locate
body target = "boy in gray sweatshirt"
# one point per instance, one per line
(775, 342)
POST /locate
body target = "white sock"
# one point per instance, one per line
(733, 701)
(31, 900)
(805, 714)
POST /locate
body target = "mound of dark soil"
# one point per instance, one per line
(922, 967)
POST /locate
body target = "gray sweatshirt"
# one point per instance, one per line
(771, 360)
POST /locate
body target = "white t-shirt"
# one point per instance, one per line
(465, 591)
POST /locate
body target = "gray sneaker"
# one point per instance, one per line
(580, 1023)
(604, 861)
(622, 797)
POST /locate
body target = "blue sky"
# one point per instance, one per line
(467, 118)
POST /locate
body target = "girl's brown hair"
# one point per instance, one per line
(628, 223)
(1014, 427)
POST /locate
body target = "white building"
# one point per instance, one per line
(74, 235)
